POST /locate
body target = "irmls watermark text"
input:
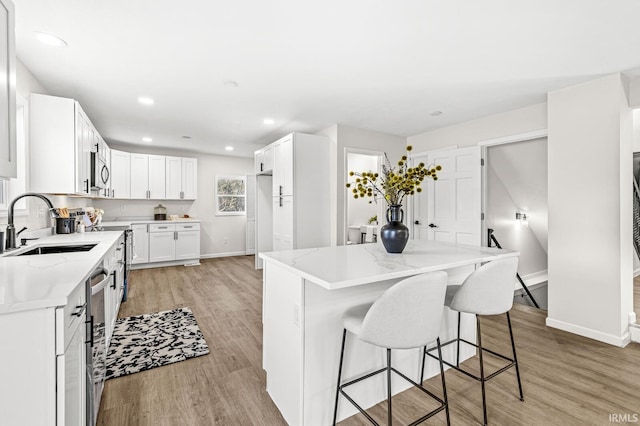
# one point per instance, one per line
(624, 417)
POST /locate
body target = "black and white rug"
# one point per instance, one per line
(147, 341)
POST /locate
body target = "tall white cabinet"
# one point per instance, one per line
(297, 213)
(8, 158)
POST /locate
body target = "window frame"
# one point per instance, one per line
(243, 178)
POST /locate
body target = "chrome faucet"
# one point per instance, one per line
(11, 229)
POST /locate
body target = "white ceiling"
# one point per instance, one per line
(380, 65)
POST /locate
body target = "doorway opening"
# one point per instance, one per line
(361, 216)
(515, 209)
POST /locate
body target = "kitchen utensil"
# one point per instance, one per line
(65, 225)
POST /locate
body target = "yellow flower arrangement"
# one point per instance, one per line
(392, 184)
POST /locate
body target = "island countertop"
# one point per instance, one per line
(352, 265)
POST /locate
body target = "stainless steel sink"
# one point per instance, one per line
(57, 249)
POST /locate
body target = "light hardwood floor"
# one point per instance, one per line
(567, 380)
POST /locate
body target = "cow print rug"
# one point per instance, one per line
(147, 341)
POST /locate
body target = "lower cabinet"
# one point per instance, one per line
(71, 380)
(167, 242)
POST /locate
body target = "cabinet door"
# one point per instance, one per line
(110, 305)
(140, 244)
(283, 168)
(264, 160)
(120, 174)
(157, 182)
(162, 246)
(188, 245)
(108, 173)
(283, 223)
(139, 176)
(8, 149)
(83, 155)
(71, 381)
(189, 178)
(173, 178)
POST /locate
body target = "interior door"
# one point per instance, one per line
(449, 209)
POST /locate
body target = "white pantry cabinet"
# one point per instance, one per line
(61, 137)
(148, 176)
(181, 178)
(264, 160)
(283, 166)
(140, 243)
(8, 149)
(121, 174)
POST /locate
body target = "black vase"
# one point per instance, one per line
(394, 234)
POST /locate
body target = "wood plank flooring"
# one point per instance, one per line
(567, 380)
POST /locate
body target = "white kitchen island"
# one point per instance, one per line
(305, 293)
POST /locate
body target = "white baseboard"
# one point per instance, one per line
(620, 341)
(531, 280)
(227, 254)
(190, 262)
(634, 330)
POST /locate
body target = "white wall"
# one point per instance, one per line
(590, 211)
(214, 229)
(510, 123)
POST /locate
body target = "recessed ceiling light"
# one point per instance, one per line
(50, 39)
(436, 113)
(228, 148)
(269, 121)
(230, 83)
(147, 139)
(146, 100)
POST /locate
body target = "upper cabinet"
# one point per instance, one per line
(148, 177)
(181, 178)
(8, 149)
(61, 137)
(264, 160)
(283, 167)
(121, 174)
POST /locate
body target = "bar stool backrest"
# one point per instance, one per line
(407, 315)
(489, 289)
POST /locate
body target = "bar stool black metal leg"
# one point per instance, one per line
(335, 409)
(424, 356)
(389, 386)
(515, 358)
(482, 381)
(444, 385)
(458, 343)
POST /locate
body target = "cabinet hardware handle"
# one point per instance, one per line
(162, 227)
(281, 201)
(185, 226)
(113, 284)
(182, 195)
(262, 167)
(147, 227)
(90, 330)
(113, 193)
(175, 235)
(86, 182)
(280, 190)
(97, 148)
(80, 310)
(431, 225)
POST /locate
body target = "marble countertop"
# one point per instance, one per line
(45, 281)
(352, 265)
(131, 222)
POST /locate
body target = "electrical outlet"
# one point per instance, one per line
(225, 240)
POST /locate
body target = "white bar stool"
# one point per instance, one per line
(487, 291)
(406, 316)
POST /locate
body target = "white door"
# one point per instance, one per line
(173, 178)
(140, 244)
(139, 176)
(162, 246)
(189, 178)
(157, 183)
(188, 245)
(120, 174)
(449, 209)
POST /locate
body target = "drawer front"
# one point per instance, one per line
(162, 227)
(187, 226)
(69, 317)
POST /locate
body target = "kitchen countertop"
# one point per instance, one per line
(357, 264)
(45, 281)
(131, 222)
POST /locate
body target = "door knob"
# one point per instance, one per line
(417, 222)
(431, 225)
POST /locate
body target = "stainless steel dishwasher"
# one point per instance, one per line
(96, 344)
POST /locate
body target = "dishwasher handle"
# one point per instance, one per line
(95, 289)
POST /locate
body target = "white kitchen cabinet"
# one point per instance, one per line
(293, 205)
(106, 190)
(60, 140)
(8, 148)
(121, 174)
(162, 242)
(139, 176)
(264, 160)
(157, 182)
(140, 243)
(71, 381)
(283, 163)
(187, 244)
(181, 178)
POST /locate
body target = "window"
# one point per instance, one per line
(9, 189)
(230, 195)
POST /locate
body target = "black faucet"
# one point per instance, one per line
(11, 229)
